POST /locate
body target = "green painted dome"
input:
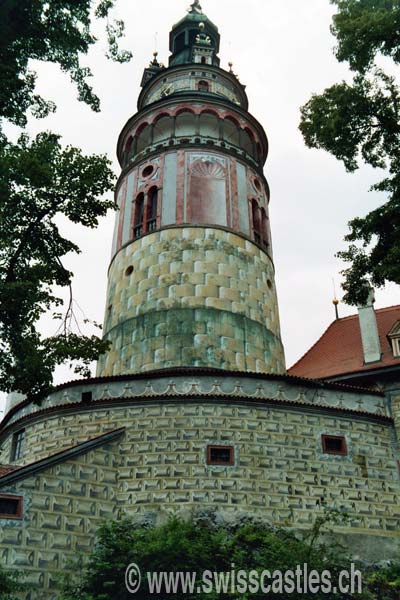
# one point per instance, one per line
(184, 33)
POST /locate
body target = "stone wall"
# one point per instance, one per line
(159, 465)
(192, 297)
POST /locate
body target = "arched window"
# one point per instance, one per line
(128, 149)
(248, 142)
(256, 221)
(143, 138)
(231, 132)
(264, 228)
(203, 60)
(185, 124)
(152, 202)
(203, 86)
(162, 129)
(209, 125)
(139, 209)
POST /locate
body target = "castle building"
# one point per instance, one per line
(192, 407)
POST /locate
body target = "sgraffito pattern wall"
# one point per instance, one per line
(63, 508)
(159, 465)
(192, 296)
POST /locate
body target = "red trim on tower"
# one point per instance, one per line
(135, 193)
(122, 214)
(234, 195)
(180, 186)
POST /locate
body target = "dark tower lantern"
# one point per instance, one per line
(194, 39)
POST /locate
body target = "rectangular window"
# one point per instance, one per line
(10, 507)
(334, 444)
(220, 455)
(87, 396)
(18, 445)
(396, 347)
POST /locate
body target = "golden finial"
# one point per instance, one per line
(335, 301)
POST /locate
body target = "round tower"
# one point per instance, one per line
(191, 280)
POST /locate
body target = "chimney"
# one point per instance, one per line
(369, 330)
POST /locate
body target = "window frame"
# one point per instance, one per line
(211, 463)
(20, 507)
(18, 444)
(327, 436)
(203, 86)
(396, 346)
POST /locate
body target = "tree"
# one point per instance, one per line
(55, 31)
(39, 181)
(202, 543)
(361, 122)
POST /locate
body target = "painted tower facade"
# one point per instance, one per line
(191, 280)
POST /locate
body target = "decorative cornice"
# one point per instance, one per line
(208, 385)
(190, 67)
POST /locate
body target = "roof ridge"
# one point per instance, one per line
(387, 308)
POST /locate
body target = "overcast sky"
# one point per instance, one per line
(282, 52)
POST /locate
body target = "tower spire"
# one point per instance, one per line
(195, 7)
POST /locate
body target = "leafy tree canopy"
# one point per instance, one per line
(361, 122)
(56, 31)
(39, 181)
(207, 543)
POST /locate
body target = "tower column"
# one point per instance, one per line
(192, 283)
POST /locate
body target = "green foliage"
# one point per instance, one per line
(365, 28)
(56, 31)
(39, 181)
(361, 122)
(202, 543)
(384, 583)
(10, 585)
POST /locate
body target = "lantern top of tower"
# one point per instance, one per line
(191, 33)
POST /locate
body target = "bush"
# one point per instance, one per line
(9, 585)
(206, 543)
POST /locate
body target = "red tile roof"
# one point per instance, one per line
(339, 350)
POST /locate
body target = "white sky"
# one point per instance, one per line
(282, 52)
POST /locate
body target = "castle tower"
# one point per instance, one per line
(191, 284)
(191, 280)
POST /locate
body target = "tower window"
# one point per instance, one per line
(264, 228)
(147, 171)
(220, 455)
(139, 210)
(334, 444)
(203, 60)
(203, 86)
(152, 210)
(10, 507)
(256, 221)
(18, 445)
